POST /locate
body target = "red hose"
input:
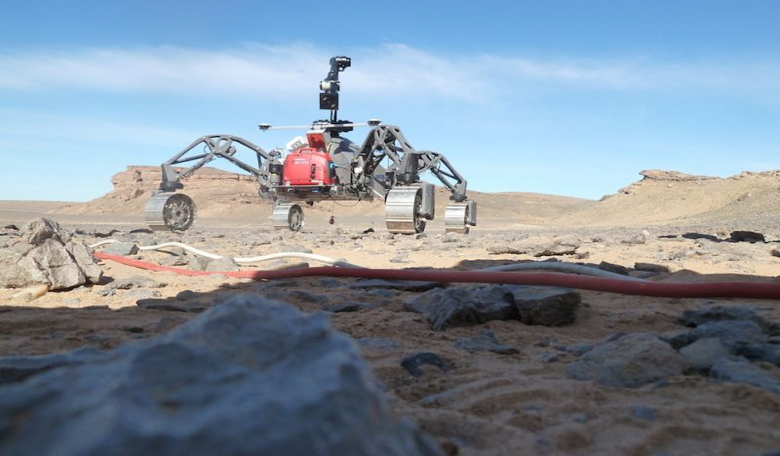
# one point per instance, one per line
(757, 290)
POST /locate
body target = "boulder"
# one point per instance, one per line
(84, 259)
(463, 306)
(59, 267)
(18, 271)
(250, 376)
(38, 230)
(628, 361)
(42, 257)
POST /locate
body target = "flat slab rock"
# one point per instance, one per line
(628, 361)
(468, 306)
(251, 376)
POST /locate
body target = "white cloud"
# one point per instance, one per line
(390, 70)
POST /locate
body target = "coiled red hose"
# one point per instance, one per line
(756, 290)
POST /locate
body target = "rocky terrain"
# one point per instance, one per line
(164, 361)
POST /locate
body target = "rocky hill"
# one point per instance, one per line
(219, 193)
(670, 196)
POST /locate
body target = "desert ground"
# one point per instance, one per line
(501, 386)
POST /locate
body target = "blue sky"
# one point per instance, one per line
(564, 97)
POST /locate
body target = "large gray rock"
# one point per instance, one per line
(703, 353)
(84, 259)
(463, 306)
(250, 376)
(740, 370)
(730, 333)
(699, 317)
(628, 361)
(36, 231)
(17, 271)
(56, 263)
(546, 306)
(42, 256)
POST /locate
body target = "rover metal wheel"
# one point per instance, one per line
(289, 216)
(170, 211)
(456, 217)
(402, 210)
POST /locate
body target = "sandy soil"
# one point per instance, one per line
(485, 403)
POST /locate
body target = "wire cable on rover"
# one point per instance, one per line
(322, 166)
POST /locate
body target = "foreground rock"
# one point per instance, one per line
(250, 376)
(546, 306)
(740, 370)
(698, 317)
(628, 361)
(465, 306)
(44, 255)
(723, 342)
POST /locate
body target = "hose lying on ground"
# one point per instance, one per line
(254, 259)
(539, 265)
(755, 290)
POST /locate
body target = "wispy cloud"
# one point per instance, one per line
(392, 70)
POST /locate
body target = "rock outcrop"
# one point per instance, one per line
(44, 254)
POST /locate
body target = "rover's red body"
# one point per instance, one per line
(307, 166)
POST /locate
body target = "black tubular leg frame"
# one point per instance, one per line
(388, 141)
(216, 146)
